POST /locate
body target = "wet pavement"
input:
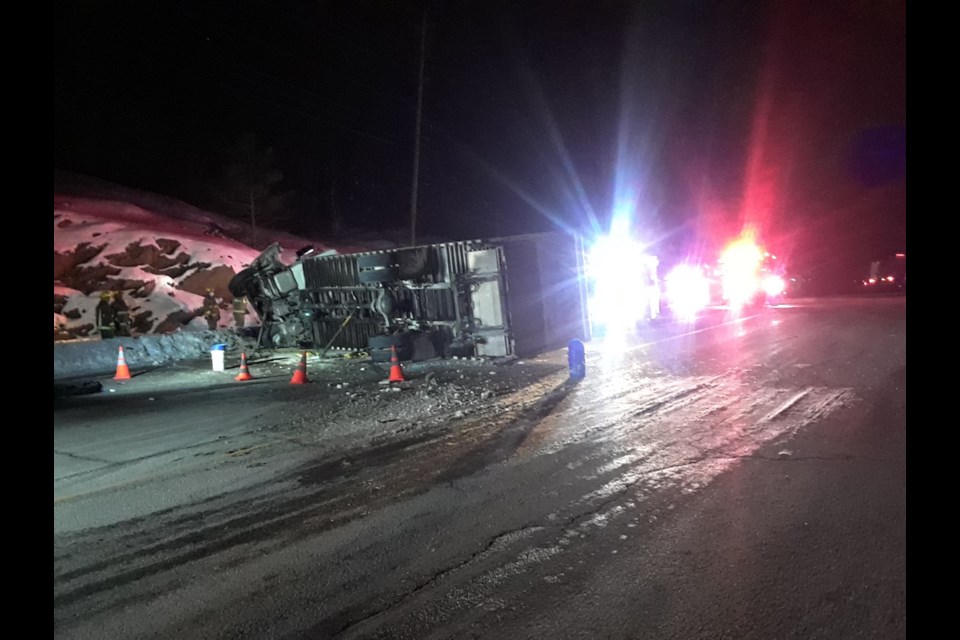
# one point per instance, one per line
(740, 478)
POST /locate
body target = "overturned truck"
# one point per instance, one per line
(515, 296)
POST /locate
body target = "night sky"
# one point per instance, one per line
(696, 118)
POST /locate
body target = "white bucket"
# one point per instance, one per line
(216, 354)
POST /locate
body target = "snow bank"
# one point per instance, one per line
(96, 358)
(163, 254)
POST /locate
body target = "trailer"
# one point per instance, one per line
(514, 296)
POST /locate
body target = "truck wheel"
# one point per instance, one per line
(241, 284)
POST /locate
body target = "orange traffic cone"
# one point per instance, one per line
(123, 371)
(396, 371)
(300, 375)
(244, 371)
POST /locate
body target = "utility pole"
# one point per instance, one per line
(416, 139)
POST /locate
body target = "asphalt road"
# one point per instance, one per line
(738, 479)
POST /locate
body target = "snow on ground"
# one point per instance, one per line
(163, 266)
(161, 253)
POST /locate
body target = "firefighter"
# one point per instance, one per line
(121, 314)
(239, 311)
(211, 309)
(106, 317)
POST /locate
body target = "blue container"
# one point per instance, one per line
(576, 359)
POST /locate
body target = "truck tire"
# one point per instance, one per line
(242, 284)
